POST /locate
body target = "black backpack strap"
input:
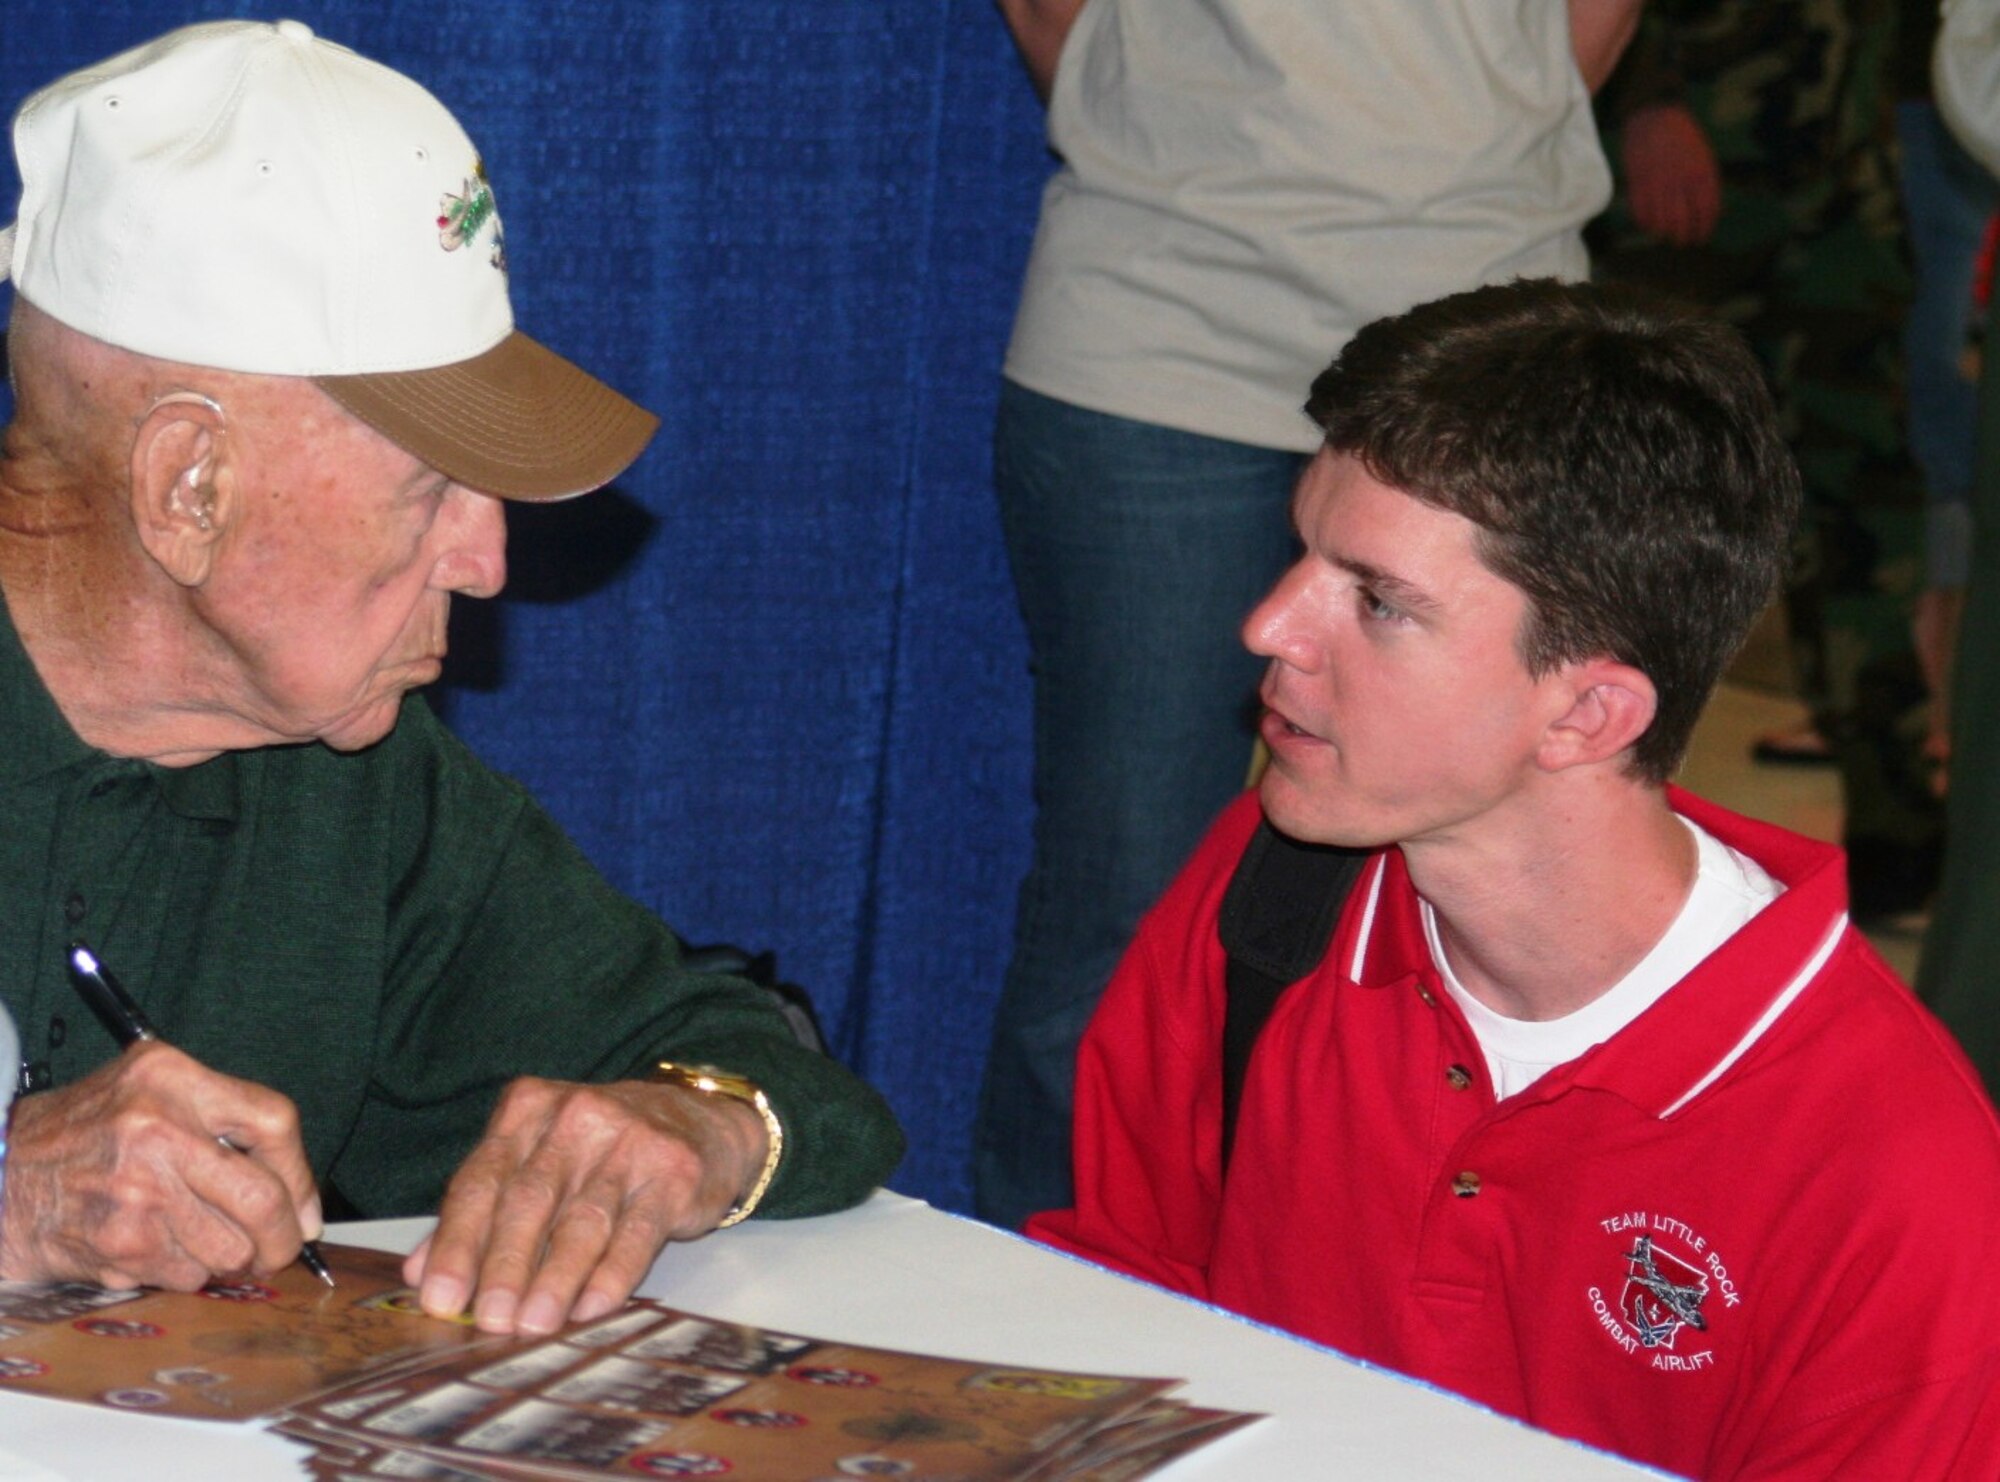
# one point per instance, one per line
(1277, 920)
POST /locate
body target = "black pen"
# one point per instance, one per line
(99, 987)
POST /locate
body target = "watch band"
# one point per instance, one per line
(708, 1080)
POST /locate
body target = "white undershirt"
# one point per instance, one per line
(1729, 888)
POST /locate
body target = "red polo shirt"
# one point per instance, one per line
(1747, 1236)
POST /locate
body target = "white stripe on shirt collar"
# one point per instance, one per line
(1769, 1017)
(1368, 917)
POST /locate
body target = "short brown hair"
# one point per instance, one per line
(1620, 454)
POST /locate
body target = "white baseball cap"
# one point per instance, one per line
(250, 197)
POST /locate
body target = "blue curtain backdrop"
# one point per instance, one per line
(773, 682)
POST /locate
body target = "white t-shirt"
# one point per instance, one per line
(1247, 182)
(1729, 888)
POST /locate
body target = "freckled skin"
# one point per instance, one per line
(332, 586)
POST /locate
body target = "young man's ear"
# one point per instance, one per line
(1611, 705)
(181, 484)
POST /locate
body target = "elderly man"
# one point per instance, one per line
(1594, 1108)
(268, 399)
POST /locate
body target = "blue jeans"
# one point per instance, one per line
(1947, 199)
(1136, 551)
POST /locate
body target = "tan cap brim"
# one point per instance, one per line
(519, 421)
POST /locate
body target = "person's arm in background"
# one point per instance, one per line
(1040, 26)
(1668, 170)
(1599, 31)
(1673, 184)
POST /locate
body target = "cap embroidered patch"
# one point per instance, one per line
(460, 217)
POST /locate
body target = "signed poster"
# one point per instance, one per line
(374, 1388)
(233, 1351)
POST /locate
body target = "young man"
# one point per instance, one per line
(1596, 1109)
(1244, 185)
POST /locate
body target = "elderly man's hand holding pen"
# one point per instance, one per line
(154, 1170)
(124, 1178)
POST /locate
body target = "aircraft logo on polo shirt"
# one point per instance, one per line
(1673, 1283)
(1657, 1304)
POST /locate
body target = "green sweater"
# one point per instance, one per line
(387, 937)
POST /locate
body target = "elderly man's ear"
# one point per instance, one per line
(183, 487)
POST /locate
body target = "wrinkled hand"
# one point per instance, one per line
(1672, 181)
(119, 1179)
(559, 1211)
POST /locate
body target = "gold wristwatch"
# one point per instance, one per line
(708, 1080)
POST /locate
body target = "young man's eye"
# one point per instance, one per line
(1375, 609)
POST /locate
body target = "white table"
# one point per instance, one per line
(896, 1273)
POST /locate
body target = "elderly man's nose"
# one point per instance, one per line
(474, 560)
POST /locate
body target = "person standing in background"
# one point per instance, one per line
(1956, 976)
(1948, 202)
(1244, 183)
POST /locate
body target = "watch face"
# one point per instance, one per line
(708, 1079)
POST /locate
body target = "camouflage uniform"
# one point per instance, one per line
(1807, 260)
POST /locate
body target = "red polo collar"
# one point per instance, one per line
(1707, 1024)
